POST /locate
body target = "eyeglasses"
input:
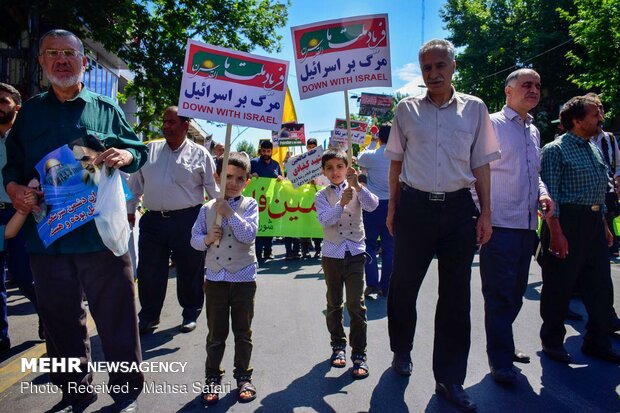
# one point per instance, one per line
(54, 53)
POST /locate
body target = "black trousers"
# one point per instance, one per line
(17, 262)
(60, 282)
(424, 229)
(587, 264)
(160, 237)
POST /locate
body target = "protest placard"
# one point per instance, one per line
(291, 134)
(304, 168)
(374, 105)
(358, 131)
(285, 211)
(342, 54)
(229, 86)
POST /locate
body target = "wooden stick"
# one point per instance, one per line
(218, 217)
(349, 144)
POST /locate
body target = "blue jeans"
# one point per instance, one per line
(374, 226)
(504, 267)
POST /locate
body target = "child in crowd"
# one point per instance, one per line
(339, 208)
(230, 276)
(11, 229)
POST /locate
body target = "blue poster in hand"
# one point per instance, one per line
(69, 182)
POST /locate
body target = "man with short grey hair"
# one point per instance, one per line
(78, 262)
(440, 145)
(516, 193)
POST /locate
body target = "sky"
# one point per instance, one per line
(406, 36)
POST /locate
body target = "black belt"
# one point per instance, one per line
(581, 208)
(6, 205)
(435, 196)
(168, 214)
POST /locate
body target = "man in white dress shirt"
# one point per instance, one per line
(174, 180)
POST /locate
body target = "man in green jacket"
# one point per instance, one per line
(78, 262)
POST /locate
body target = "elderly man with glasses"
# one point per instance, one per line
(78, 262)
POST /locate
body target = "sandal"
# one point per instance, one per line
(338, 357)
(359, 365)
(244, 384)
(210, 392)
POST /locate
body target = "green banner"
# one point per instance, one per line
(283, 210)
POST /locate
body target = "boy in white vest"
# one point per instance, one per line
(339, 209)
(230, 277)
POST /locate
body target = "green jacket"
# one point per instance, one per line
(44, 124)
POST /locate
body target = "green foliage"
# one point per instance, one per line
(595, 26)
(495, 37)
(247, 147)
(150, 36)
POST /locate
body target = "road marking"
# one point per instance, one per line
(12, 373)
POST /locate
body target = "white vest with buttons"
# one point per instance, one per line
(230, 255)
(350, 225)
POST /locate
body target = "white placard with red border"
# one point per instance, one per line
(342, 54)
(229, 86)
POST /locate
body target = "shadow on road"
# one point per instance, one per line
(151, 343)
(309, 390)
(389, 394)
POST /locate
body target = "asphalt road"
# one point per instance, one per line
(291, 349)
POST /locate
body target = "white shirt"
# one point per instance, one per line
(172, 180)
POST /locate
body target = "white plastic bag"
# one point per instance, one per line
(111, 213)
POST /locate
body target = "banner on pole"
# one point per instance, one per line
(374, 105)
(342, 54)
(358, 131)
(303, 168)
(291, 134)
(229, 86)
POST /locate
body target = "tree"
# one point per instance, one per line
(595, 26)
(150, 36)
(496, 37)
(247, 147)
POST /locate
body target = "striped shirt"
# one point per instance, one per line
(515, 177)
(330, 215)
(244, 228)
(574, 171)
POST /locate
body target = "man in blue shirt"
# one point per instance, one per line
(265, 167)
(377, 168)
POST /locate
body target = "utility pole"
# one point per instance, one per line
(423, 19)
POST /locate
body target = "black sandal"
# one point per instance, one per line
(209, 390)
(244, 384)
(359, 364)
(338, 354)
